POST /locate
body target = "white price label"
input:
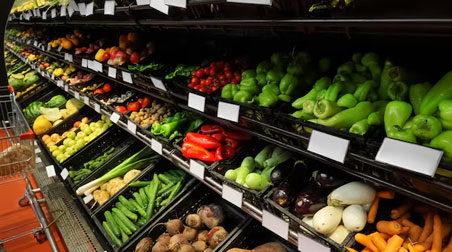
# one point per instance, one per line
(76, 95)
(112, 72)
(88, 198)
(197, 102)
(66, 88)
(109, 7)
(44, 15)
(68, 57)
(132, 127)
(63, 11)
(86, 100)
(60, 83)
(37, 150)
(50, 171)
(35, 43)
(275, 224)
(329, 146)
(38, 12)
(38, 160)
(228, 111)
(70, 10)
(307, 244)
(413, 157)
(98, 66)
(91, 65)
(59, 48)
(143, 2)
(82, 9)
(73, 5)
(97, 107)
(156, 146)
(232, 195)
(263, 2)
(53, 13)
(127, 77)
(64, 173)
(89, 9)
(160, 6)
(197, 169)
(158, 83)
(177, 3)
(52, 76)
(84, 63)
(115, 117)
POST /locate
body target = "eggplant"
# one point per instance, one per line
(309, 202)
(328, 178)
(285, 194)
(281, 171)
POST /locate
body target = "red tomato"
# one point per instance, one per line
(209, 82)
(197, 87)
(195, 80)
(212, 65)
(106, 88)
(193, 73)
(146, 101)
(228, 75)
(234, 81)
(204, 90)
(214, 89)
(221, 77)
(199, 73)
(203, 82)
(212, 72)
(206, 70)
(223, 82)
(133, 106)
(121, 109)
(191, 85)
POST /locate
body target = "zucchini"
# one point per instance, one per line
(125, 220)
(112, 223)
(121, 224)
(110, 233)
(126, 211)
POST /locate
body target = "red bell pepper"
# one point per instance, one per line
(191, 150)
(219, 137)
(98, 91)
(121, 109)
(146, 101)
(227, 152)
(219, 153)
(201, 140)
(237, 135)
(211, 129)
(231, 142)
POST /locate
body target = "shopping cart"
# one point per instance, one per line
(17, 160)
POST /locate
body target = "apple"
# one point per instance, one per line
(87, 131)
(60, 157)
(53, 148)
(70, 150)
(79, 144)
(77, 124)
(68, 142)
(92, 125)
(99, 124)
(56, 153)
(85, 119)
(81, 135)
(61, 148)
(71, 135)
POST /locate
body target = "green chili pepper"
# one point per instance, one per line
(325, 108)
(397, 91)
(445, 110)
(417, 93)
(359, 127)
(442, 90)
(322, 83)
(308, 106)
(311, 95)
(362, 90)
(347, 68)
(302, 57)
(385, 80)
(446, 124)
(377, 117)
(370, 60)
(346, 118)
(444, 142)
(333, 91)
(300, 114)
(347, 100)
(395, 117)
(426, 127)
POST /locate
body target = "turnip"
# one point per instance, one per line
(164, 238)
(175, 226)
(199, 246)
(216, 235)
(160, 247)
(189, 233)
(194, 221)
(176, 242)
(144, 245)
(211, 215)
(186, 248)
(202, 235)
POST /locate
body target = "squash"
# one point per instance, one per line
(41, 125)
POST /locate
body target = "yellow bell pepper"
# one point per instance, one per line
(99, 54)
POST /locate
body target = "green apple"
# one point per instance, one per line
(71, 135)
(87, 131)
(93, 125)
(62, 148)
(99, 124)
(79, 144)
(68, 142)
(83, 126)
(56, 153)
(61, 157)
(103, 118)
(53, 148)
(81, 135)
(70, 150)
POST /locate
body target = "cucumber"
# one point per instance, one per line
(126, 211)
(110, 233)
(124, 236)
(111, 221)
(126, 203)
(125, 220)
(140, 209)
(138, 198)
(121, 224)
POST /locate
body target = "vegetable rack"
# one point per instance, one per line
(17, 160)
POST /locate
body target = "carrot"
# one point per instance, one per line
(408, 223)
(428, 227)
(404, 217)
(389, 227)
(446, 228)
(394, 243)
(437, 234)
(365, 241)
(414, 233)
(401, 210)
(350, 249)
(405, 230)
(385, 236)
(403, 250)
(373, 211)
(410, 248)
(378, 241)
(448, 248)
(422, 209)
(423, 246)
(385, 194)
(366, 249)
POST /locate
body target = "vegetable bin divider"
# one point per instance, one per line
(127, 192)
(188, 204)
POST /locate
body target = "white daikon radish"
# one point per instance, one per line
(354, 218)
(339, 234)
(353, 193)
(327, 219)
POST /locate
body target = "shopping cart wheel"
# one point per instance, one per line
(40, 236)
(23, 202)
(2, 249)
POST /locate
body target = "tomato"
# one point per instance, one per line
(219, 64)
(191, 85)
(197, 87)
(236, 74)
(228, 75)
(234, 81)
(98, 91)
(212, 65)
(203, 82)
(199, 73)
(212, 72)
(223, 82)
(204, 90)
(209, 82)
(133, 106)
(195, 80)
(106, 88)
(193, 73)
(214, 89)
(121, 109)
(221, 77)
(206, 71)
(140, 100)
(146, 101)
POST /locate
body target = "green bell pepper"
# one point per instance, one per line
(271, 88)
(302, 57)
(243, 96)
(333, 91)
(443, 142)
(261, 79)
(370, 60)
(446, 124)
(346, 118)
(356, 58)
(417, 93)
(359, 127)
(308, 106)
(362, 90)
(347, 100)
(325, 108)
(263, 67)
(357, 78)
(300, 114)
(397, 91)
(347, 68)
(372, 95)
(445, 110)
(249, 85)
(248, 74)
(274, 76)
(385, 80)
(267, 98)
(396, 114)
(426, 127)
(377, 117)
(321, 95)
(294, 68)
(442, 90)
(324, 65)
(287, 86)
(311, 95)
(229, 91)
(279, 60)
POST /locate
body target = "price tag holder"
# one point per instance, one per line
(88, 198)
(73, 5)
(82, 9)
(114, 117)
(132, 127)
(63, 11)
(89, 9)
(232, 195)
(68, 57)
(413, 157)
(70, 10)
(308, 244)
(112, 72)
(66, 88)
(59, 48)
(160, 6)
(98, 66)
(109, 7)
(177, 3)
(64, 173)
(143, 2)
(156, 146)
(197, 102)
(329, 146)
(60, 83)
(38, 160)
(197, 169)
(275, 224)
(158, 83)
(37, 150)
(97, 107)
(77, 95)
(228, 111)
(263, 2)
(35, 43)
(86, 100)
(53, 13)
(84, 63)
(127, 77)
(44, 15)
(50, 171)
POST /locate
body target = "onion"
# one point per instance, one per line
(189, 233)
(164, 238)
(160, 247)
(174, 227)
(199, 246)
(186, 248)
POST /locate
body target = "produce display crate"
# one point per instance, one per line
(254, 111)
(253, 234)
(127, 192)
(180, 90)
(189, 203)
(68, 123)
(35, 92)
(46, 97)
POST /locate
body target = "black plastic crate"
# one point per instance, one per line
(180, 90)
(33, 93)
(254, 111)
(46, 97)
(198, 196)
(127, 192)
(254, 234)
(69, 121)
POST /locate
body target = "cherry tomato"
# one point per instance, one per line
(203, 82)
(206, 71)
(223, 82)
(199, 73)
(198, 87)
(238, 79)
(212, 72)
(226, 69)
(209, 82)
(191, 85)
(193, 73)
(237, 74)
(204, 90)
(212, 65)
(221, 77)
(228, 75)
(234, 81)
(195, 80)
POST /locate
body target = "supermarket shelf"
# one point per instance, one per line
(357, 165)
